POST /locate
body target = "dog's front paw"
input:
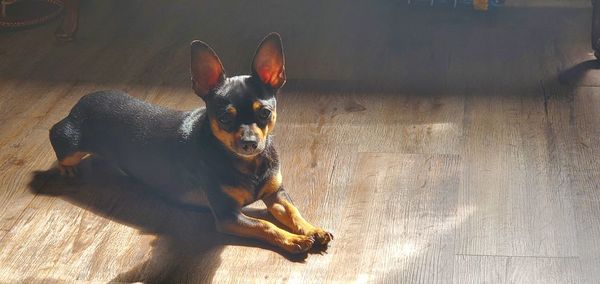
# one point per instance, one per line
(321, 236)
(298, 243)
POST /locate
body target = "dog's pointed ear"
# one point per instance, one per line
(206, 68)
(269, 64)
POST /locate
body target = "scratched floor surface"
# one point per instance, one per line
(437, 145)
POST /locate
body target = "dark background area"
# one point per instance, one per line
(386, 44)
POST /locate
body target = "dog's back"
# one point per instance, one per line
(145, 141)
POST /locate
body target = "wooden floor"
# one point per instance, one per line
(436, 145)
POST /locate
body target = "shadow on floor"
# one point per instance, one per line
(187, 247)
(575, 75)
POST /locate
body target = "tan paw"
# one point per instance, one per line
(321, 236)
(298, 243)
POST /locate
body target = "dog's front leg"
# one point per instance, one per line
(282, 208)
(236, 223)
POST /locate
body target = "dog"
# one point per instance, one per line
(221, 155)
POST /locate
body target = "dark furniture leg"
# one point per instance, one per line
(67, 29)
(596, 27)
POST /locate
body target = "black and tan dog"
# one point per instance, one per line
(222, 154)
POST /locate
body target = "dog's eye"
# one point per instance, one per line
(264, 114)
(225, 118)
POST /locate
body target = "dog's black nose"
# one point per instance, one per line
(249, 144)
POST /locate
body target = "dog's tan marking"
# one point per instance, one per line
(226, 138)
(271, 123)
(68, 165)
(240, 195)
(231, 110)
(256, 105)
(73, 159)
(260, 133)
(271, 185)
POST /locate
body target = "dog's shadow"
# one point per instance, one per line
(187, 247)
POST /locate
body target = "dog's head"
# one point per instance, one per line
(241, 109)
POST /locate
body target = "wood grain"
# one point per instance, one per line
(508, 148)
(495, 269)
(585, 179)
(415, 196)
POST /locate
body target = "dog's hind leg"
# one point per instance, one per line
(68, 165)
(65, 137)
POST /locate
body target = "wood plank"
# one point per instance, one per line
(588, 238)
(18, 163)
(503, 269)
(585, 178)
(520, 196)
(400, 220)
(373, 122)
(585, 161)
